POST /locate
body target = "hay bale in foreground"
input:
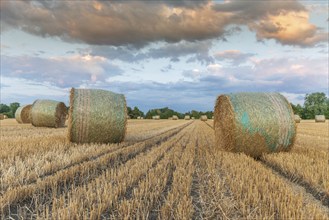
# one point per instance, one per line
(23, 114)
(97, 116)
(174, 117)
(320, 118)
(48, 113)
(297, 118)
(203, 118)
(254, 123)
(187, 117)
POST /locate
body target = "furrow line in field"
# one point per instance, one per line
(112, 149)
(23, 194)
(294, 178)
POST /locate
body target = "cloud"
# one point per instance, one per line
(198, 51)
(139, 23)
(115, 23)
(290, 28)
(26, 91)
(59, 71)
(234, 56)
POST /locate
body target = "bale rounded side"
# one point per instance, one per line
(254, 123)
(48, 113)
(320, 118)
(174, 117)
(23, 114)
(97, 116)
(2, 116)
(187, 117)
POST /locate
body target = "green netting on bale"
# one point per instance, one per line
(254, 123)
(23, 114)
(48, 113)
(97, 116)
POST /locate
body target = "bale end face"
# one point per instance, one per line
(23, 114)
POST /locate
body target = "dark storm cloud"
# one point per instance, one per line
(139, 23)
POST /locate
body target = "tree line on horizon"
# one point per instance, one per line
(314, 104)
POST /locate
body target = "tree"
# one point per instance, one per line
(298, 110)
(4, 108)
(315, 104)
(13, 107)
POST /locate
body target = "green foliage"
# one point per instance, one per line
(4, 108)
(134, 113)
(197, 114)
(315, 104)
(164, 113)
(9, 110)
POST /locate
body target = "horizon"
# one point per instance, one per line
(179, 55)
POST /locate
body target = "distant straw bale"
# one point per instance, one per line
(320, 118)
(97, 116)
(2, 116)
(48, 113)
(156, 117)
(187, 117)
(254, 123)
(203, 118)
(174, 117)
(23, 114)
(297, 118)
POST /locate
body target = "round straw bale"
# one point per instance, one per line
(193, 118)
(97, 116)
(254, 123)
(187, 117)
(5, 116)
(297, 118)
(2, 116)
(23, 114)
(203, 118)
(48, 113)
(174, 117)
(320, 118)
(157, 117)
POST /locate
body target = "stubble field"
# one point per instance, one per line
(164, 170)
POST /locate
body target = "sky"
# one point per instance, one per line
(165, 53)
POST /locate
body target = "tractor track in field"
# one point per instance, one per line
(27, 200)
(317, 194)
(129, 191)
(209, 125)
(195, 188)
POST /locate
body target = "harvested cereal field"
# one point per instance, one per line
(165, 169)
